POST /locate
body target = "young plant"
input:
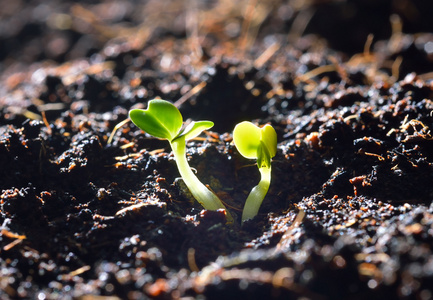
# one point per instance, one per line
(256, 143)
(163, 120)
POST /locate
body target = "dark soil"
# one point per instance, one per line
(94, 211)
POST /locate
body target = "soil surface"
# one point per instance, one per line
(91, 210)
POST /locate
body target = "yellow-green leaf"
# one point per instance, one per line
(269, 138)
(255, 142)
(246, 136)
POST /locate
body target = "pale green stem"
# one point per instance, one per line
(200, 192)
(257, 194)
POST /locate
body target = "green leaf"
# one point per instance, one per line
(161, 119)
(246, 136)
(195, 128)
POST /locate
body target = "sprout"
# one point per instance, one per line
(261, 144)
(163, 120)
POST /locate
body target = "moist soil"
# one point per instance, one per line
(92, 210)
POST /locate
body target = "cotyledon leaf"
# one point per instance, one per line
(195, 128)
(246, 136)
(161, 119)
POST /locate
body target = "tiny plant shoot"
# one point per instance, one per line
(163, 120)
(261, 144)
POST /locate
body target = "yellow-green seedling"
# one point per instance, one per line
(256, 143)
(163, 120)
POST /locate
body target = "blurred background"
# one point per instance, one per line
(58, 30)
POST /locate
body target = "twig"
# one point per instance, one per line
(191, 260)
(190, 93)
(110, 139)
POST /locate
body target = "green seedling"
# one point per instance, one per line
(163, 120)
(256, 143)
